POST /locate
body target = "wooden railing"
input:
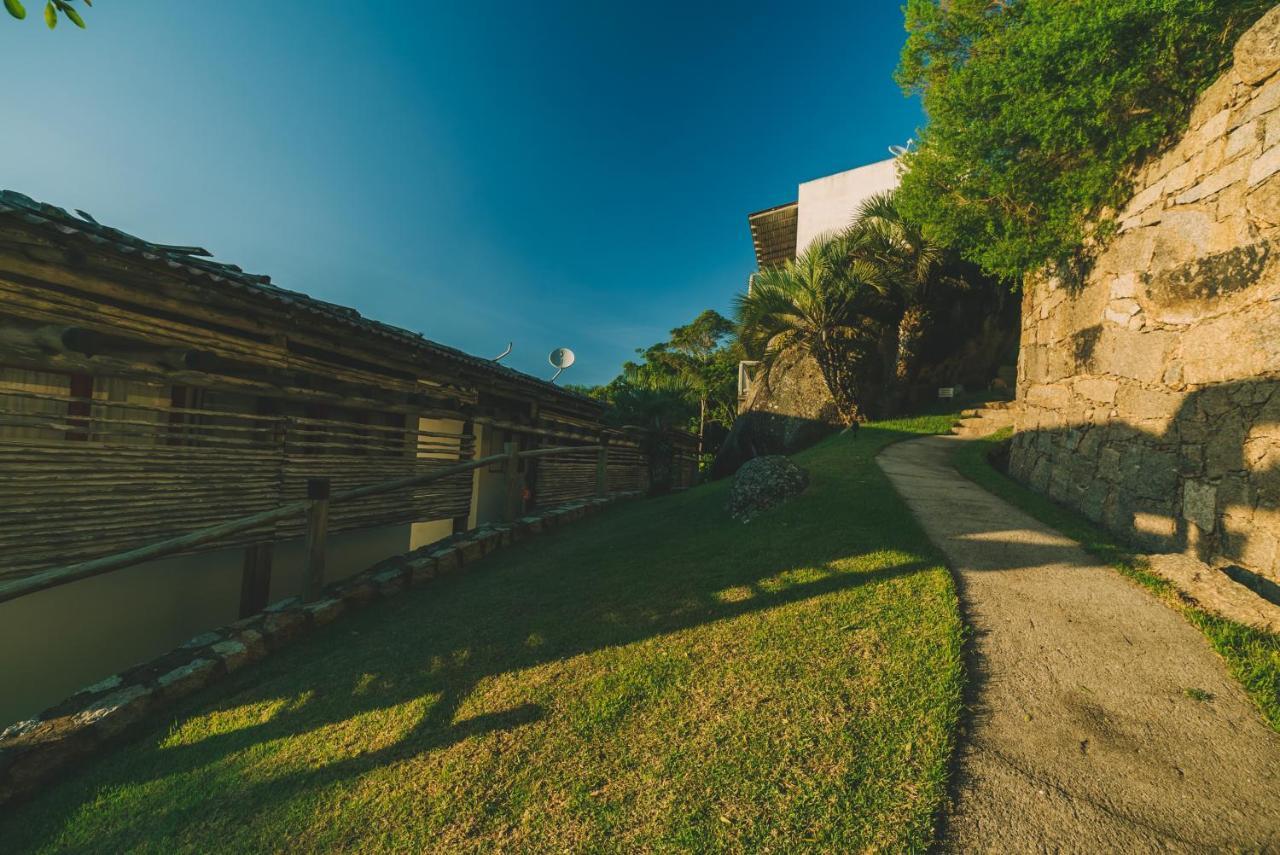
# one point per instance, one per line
(316, 510)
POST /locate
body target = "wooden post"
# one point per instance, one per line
(255, 581)
(602, 468)
(317, 529)
(513, 503)
(461, 523)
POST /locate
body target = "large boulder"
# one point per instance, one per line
(763, 483)
(788, 410)
(1257, 54)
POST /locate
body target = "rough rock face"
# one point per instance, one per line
(1148, 391)
(1214, 590)
(763, 483)
(789, 410)
(1257, 54)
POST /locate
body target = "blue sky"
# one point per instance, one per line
(557, 174)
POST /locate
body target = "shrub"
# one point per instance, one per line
(1037, 109)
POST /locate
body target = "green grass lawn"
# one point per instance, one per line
(1252, 656)
(656, 677)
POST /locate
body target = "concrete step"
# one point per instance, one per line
(983, 422)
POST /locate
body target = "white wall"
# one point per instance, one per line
(827, 205)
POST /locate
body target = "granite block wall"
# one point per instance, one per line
(1149, 387)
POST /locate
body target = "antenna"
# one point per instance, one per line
(900, 150)
(561, 358)
(499, 357)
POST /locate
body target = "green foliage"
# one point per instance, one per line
(914, 268)
(691, 378)
(859, 303)
(1037, 108)
(828, 302)
(909, 262)
(659, 403)
(825, 294)
(51, 10)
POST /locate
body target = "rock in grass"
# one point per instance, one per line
(763, 483)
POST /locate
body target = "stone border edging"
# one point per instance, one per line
(32, 752)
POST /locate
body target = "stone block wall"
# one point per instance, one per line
(1149, 390)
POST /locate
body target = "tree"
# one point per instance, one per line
(700, 353)
(657, 406)
(699, 360)
(1039, 108)
(911, 266)
(826, 302)
(51, 10)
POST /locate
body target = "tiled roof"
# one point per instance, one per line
(199, 264)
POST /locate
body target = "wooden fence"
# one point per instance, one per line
(314, 510)
(86, 477)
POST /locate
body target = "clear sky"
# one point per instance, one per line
(557, 174)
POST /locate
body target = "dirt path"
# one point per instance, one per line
(1081, 735)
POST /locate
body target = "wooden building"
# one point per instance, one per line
(148, 390)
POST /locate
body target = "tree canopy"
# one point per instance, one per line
(1038, 108)
(690, 379)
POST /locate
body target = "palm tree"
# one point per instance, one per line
(910, 264)
(824, 303)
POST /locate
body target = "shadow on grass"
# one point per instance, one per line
(628, 575)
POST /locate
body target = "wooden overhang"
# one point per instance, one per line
(773, 232)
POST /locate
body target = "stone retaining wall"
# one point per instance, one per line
(1148, 390)
(34, 751)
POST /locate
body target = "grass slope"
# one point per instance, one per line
(655, 678)
(1252, 656)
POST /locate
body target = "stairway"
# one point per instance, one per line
(985, 420)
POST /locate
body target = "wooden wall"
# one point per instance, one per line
(140, 399)
(89, 476)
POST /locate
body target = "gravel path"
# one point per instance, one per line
(1081, 735)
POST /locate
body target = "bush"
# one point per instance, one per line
(1037, 109)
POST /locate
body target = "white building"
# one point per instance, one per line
(823, 206)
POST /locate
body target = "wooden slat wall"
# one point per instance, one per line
(164, 319)
(565, 477)
(36, 409)
(86, 477)
(570, 476)
(685, 459)
(356, 455)
(627, 470)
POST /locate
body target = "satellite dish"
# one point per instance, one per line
(561, 358)
(900, 150)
